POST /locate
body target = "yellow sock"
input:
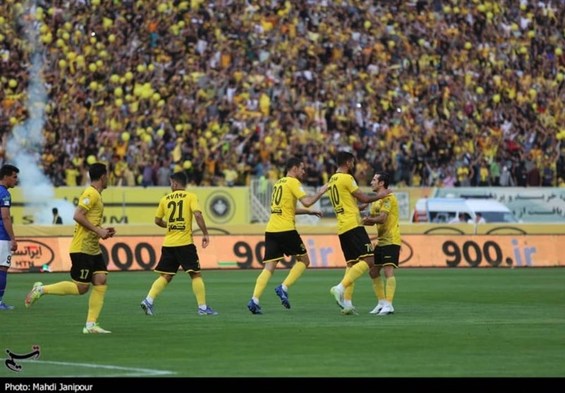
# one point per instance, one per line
(354, 273)
(158, 286)
(61, 288)
(294, 273)
(348, 293)
(95, 302)
(261, 283)
(390, 288)
(379, 287)
(199, 290)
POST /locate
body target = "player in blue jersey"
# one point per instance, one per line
(8, 243)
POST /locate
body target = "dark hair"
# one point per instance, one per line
(55, 210)
(8, 170)
(291, 163)
(343, 157)
(384, 177)
(180, 177)
(97, 170)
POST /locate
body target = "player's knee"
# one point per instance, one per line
(305, 260)
(83, 288)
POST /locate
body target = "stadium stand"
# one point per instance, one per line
(441, 93)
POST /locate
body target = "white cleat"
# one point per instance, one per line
(95, 329)
(377, 308)
(34, 294)
(349, 310)
(338, 296)
(387, 309)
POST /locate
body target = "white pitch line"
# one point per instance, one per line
(132, 371)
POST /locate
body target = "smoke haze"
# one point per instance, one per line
(25, 144)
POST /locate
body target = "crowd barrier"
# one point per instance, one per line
(138, 247)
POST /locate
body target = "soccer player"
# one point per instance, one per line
(8, 243)
(355, 243)
(87, 263)
(384, 214)
(281, 236)
(175, 213)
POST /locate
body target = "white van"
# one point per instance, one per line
(444, 210)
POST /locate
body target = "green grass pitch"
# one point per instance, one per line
(448, 323)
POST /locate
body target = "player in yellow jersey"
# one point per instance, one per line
(384, 214)
(88, 264)
(175, 213)
(355, 243)
(281, 236)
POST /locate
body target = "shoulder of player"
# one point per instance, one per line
(179, 194)
(288, 182)
(90, 192)
(294, 181)
(287, 179)
(342, 175)
(341, 178)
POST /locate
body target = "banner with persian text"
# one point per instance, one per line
(127, 253)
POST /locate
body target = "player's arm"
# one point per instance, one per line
(159, 214)
(299, 210)
(7, 221)
(160, 222)
(363, 206)
(375, 219)
(80, 217)
(364, 198)
(309, 200)
(202, 225)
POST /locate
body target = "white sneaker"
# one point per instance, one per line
(349, 310)
(95, 329)
(338, 296)
(33, 295)
(377, 308)
(387, 309)
(147, 307)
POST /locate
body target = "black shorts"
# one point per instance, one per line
(356, 244)
(279, 244)
(387, 255)
(174, 257)
(85, 265)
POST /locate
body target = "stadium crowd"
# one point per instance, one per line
(450, 93)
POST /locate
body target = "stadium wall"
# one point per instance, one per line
(137, 247)
(137, 205)
(232, 206)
